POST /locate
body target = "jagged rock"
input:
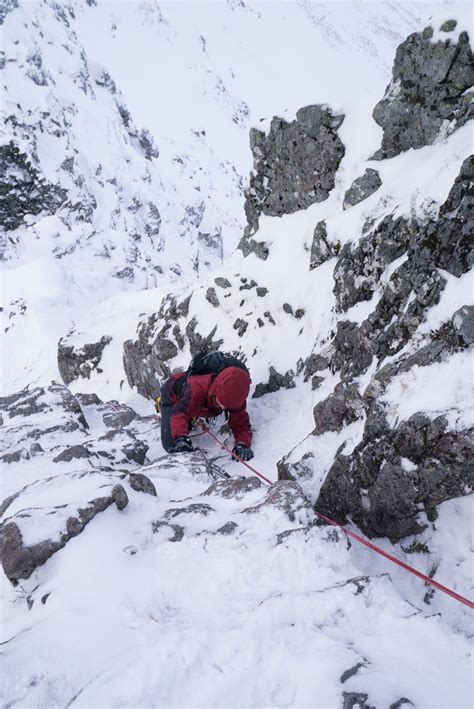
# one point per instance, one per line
(316, 382)
(120, 417)
(295, 165)
(362, 188)
(275, 382)
(321, 248)
(315, 363)
(358, 270)
(28, 402)
(344, 406)
(426, 93)
(250, 246)
(140, 483)
(88, 399)
(287, 496)
(22, 189)
(463, 324)
(16, 456)
(384, 497)
(353, 350)
(240, 325)
(145, 360)
(72, 452)
(80, 362)
(19, 561)
(227, 529)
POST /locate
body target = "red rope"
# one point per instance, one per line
(358, 538)
(206, 430)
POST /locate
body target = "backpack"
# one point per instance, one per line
(213, 363)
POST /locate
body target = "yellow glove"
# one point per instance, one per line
(158, 404)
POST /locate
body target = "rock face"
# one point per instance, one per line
(295, 163)
(427, 91)
(398, 469)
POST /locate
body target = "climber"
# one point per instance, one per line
(185, 397)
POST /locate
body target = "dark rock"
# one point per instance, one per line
(448, 26)
(119, 418)
(72, 452)
(316, 382)
(355, 700)
(135, 451)
(140, 483)
(351, 672)
(80, 362)
(275, 382)
(146, 360)
(261, 292)
(353, 350)
(211, 297)
(315, 363)
(294, 165)
(250, 246)
(222, 282)
(373, 487)
(36, 449)
(22, 189)
(241, 326)
(16, 456)
(362, 188)
(227, 529)
(426, 93)
(344, 406)
(403, 700)
(321, 248)
(463, 324)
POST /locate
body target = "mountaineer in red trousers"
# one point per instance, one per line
(185, 397)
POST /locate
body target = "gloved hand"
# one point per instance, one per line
(244, 452)
(183, 445)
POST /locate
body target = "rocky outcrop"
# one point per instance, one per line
(20, 560)
(394, 474)
(321, 248)
(398, 469)
(427, 91)
(76, 362)
(23, 190)
(294, 164)
(362, 187)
